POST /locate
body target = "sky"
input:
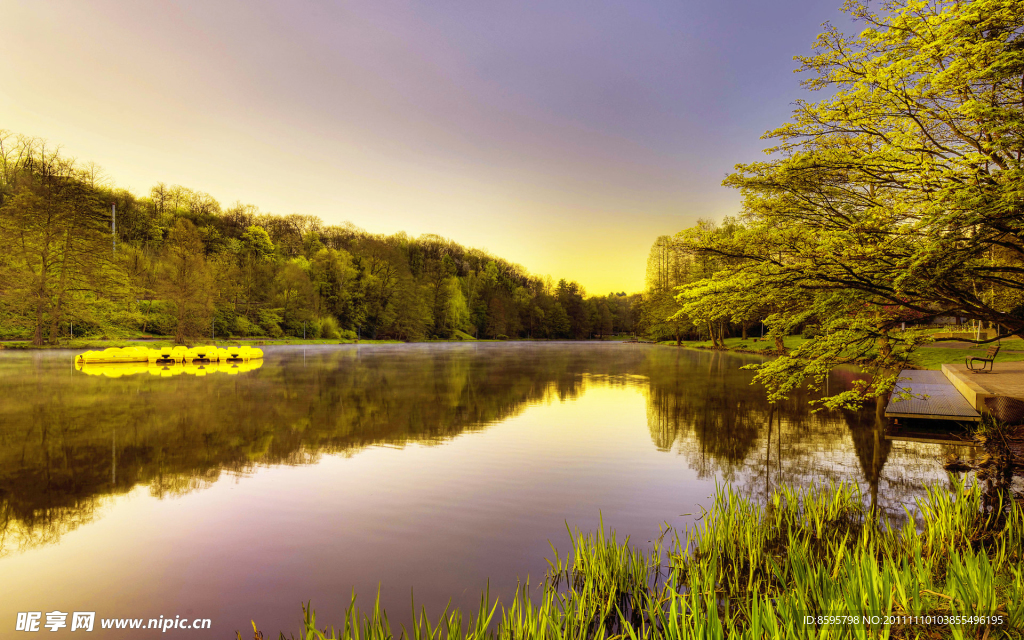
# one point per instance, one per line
(564, 136)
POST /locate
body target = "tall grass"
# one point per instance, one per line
(752, 571)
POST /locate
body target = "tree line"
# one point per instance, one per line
(894, 200)
(84, 258)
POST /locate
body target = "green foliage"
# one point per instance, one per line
(243, 327)
(558, 324)
(160, 318)
(52, 225)
(681, 301)
(315, 329)
(890, 201)
(329, 328)
(270, 322)
(187, 282)
(257, 243)
(184, 266)
(810, 331)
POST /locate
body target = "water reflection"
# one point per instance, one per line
(70, 442)
(169, 370)
(726, 430)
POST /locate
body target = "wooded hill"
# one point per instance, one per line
(81, 255)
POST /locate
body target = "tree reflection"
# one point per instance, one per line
(702, 406)
(70, 441)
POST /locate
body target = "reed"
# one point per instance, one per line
(749, 570)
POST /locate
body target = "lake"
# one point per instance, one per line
(427, 470)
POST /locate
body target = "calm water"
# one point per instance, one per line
(424, 468)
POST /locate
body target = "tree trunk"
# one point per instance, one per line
(37, 338)
(884, 347)
(780, 346)
(744, 331)
(679, 340)
(42, 298)
(56, 311)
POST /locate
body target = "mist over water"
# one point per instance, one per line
(426, 468)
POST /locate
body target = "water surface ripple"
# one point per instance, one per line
(431, 468)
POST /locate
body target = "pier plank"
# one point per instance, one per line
(932, 396)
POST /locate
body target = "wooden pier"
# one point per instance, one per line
(929, 395)
(999, 392)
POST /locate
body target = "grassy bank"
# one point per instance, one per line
(926, 357)
(748, 570)
(96, 343)
(744, 345)
(935, 357)
(161, 341)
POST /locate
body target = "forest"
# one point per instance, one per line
(83, 258)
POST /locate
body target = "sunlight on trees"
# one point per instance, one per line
(187, 267)
(894, 199)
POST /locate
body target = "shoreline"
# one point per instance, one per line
(97, 343)
(756, 569)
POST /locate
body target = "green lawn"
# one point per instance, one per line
(925, 357)
(935, 357)
(791, 342)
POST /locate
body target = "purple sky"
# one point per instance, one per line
(565, 136)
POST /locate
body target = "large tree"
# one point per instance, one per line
(721, 288)
(187, 282)
(55, 234)
(898, 195)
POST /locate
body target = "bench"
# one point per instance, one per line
(987, 361)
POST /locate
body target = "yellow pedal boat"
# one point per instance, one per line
(170, 355)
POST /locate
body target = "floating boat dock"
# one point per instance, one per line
(169, 361)
(122, 369)
(954, 393)
(168, 355)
